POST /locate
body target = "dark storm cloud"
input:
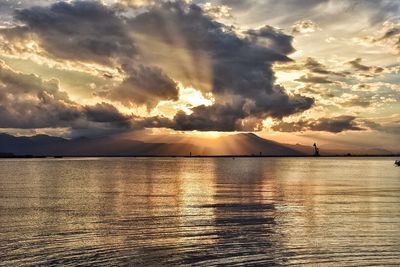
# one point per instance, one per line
(274, 39)
(243, 80)
(92, 32)
(228, 117)
(144, 86)
(104, 112)
(28, 102)
(333, 125)
(80, 30)
(214, 118)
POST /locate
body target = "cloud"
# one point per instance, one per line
(144, 86)
(391, 128)
(272, 38)
(370, 70)
(286, 12)
(333, 125)
(322, 91)
(311, 65)
(316, 67)
(357, 101)
(309, 78)
(304, 26)
(89, 31)
(388, 36)
(242, 80)
(138, 3)
(217, 11)
(238, 65)
(80, 30)
(105, 112)
(29, 102)
(229, 117)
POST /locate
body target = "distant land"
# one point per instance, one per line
(243, 144)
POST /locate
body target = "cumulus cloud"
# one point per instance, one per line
(273, 39)
(239, 65)
(80, 30)
(28, 102)
(242, 77)
(388, 36)
(144, 86)
(304, 26)
(89, 31)
(217, 11)
(333, 125)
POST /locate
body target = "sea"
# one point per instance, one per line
(200, 212)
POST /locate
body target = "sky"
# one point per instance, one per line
(294, 71)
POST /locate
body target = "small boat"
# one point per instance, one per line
(397, 163)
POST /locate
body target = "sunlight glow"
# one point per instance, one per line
(189, 98)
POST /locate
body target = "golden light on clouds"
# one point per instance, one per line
(202, 68)
(188, 99)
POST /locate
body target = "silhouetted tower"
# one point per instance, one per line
(316, 150)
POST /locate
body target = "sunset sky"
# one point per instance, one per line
(294, 71)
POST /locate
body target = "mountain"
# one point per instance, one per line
(239, 144)
(43, 145)
(250, 144)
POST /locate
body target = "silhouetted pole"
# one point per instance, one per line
(316, 150)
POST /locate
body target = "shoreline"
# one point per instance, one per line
(192, 156)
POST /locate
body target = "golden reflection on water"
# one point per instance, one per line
(149, 211)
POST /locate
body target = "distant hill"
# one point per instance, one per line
(250, 144)
(41, 145)
(239, 144)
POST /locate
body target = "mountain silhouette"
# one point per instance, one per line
(41, 145)
(239, 144)
(251, 144)
(236, 144)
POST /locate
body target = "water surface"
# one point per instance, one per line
(200, 212)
